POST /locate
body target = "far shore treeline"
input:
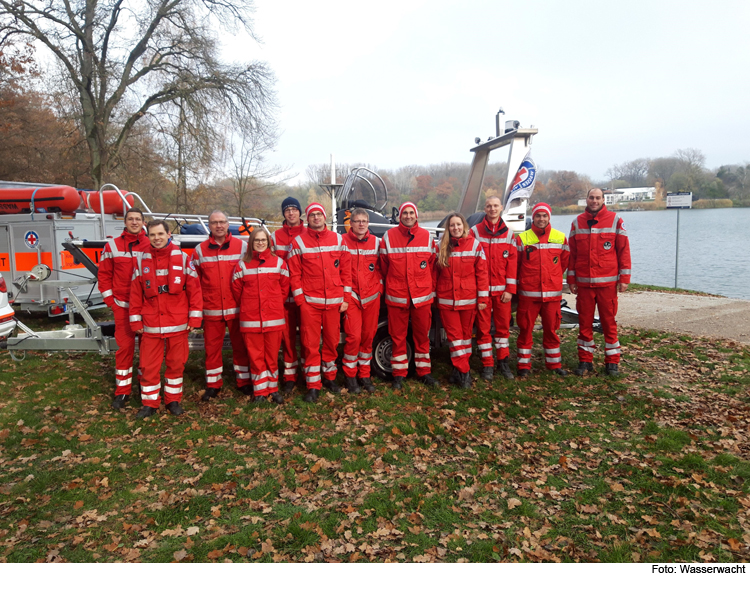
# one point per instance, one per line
(43, 139)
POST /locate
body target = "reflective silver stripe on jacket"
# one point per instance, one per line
(576, 229)
(426, 298)
(457, 302)
(324, 301)
(597, 279)
(263, 324)
(164, 329)
(395, 300)
(121, 303)
(366, 300)
(220, 312)
(540, 294)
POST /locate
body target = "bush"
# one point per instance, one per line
(712, 203)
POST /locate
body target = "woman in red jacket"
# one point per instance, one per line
(260, 286)
(462, 288)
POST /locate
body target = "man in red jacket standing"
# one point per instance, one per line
(321, 276)
(542, 259)
(599, 270)
(115, 276)
(214, 261)
(165, 303)
(361, 318)
(500, 250)
(282, 243)
(407, 258)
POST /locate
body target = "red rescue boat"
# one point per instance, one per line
(48, 198)
(112, 201)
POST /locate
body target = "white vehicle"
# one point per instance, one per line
(7, 321)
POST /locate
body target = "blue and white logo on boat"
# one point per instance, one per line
(523, 183)
(31, 239)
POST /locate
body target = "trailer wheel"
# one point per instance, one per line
(382, 346)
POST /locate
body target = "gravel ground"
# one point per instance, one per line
(689, 314)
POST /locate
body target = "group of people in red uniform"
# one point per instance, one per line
(304, 279)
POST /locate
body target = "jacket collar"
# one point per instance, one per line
(542, 233)
(128, 237)
(353, 236)
(459, 242)
(590, 216)
(499, 228)
(408, 231)
(213, 245)
(318, 234)
(293, 230)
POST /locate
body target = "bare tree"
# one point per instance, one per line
(633, 172)
(125, 58)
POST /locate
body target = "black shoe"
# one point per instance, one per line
(522, 373)
(247, 390)
(398, 383)
(175, 408)
(331, 386)
(504, 368)
(260, 400)
(352, 385)
(120, 401)
(209, 394)
(277, 398)
(428, 380)
(312, 395)
(583, 368)
(560, 371)
(487, 373)
(367, 384)
(612, 369)
(465, 380)
(146, 411)
(455, 377)
(287, 387)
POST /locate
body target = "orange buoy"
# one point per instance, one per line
(57, 198)
(111, 198)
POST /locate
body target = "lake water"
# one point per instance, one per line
(714, 254)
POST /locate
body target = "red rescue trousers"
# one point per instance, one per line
(125, 339)
(458, 325)
(501, 314)
(313, 322)
(526, 314)
(398, 326)
(360, 325)
(213, 339)
(263, 349)
(289, 335)
(605, 300)
(152, 356)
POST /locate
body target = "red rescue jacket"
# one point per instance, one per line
(465, 282)
(116, 267)
(177, 303)
(599, 250)
(215, 265)
(283, 237)
(501, 252)
(407, 259)
(542, 261)
(367, 279)
(320, 269)
(260, 287)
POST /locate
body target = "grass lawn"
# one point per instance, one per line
(651, 467)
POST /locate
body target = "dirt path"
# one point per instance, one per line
(689, 314)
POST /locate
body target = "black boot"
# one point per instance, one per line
(312, 395)
(504, 368)
(487, 373)
(428, 380)
(522, 373)
(583, 368)
(612, 369)
(277, 398)
(175, 408)
(367, 384)
(145, 411)
(120, 401)
(455, 377)
(465, 380)
(288, 387)
(352, 385)
(260, 400)
(331, 386)
(560, 371)
(246, 390)
(209, 394)
(398, 383)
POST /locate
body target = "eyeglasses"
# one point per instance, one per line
(222, 223)
(264, 241)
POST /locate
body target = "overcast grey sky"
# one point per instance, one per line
(399, 82)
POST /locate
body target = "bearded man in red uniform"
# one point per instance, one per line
(214, 261)
(599, 270)
(542, 259)
(361, 318)
(165, 304)
(407, 258)
(282, 244)
(321, 276)
(501, 253)
(115, 276)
